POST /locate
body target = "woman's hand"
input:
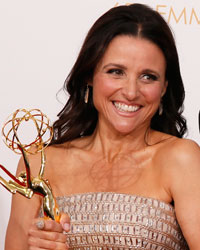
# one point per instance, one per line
(48, 234)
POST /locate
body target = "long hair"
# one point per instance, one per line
(79, 119)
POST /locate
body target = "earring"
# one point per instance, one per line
(160, 109)
(86, 94)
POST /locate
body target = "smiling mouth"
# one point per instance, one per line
(126, 108)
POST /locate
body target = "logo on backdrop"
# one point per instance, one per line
(181, 15)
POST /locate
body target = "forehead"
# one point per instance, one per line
(127, 48)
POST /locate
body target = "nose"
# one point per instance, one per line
(130, 89)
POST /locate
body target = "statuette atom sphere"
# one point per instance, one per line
(15, 128)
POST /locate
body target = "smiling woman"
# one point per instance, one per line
(106, 28)
(128, 84)
(118, 164)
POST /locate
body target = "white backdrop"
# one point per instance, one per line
(39, 42)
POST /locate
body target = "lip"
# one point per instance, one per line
(126, 113)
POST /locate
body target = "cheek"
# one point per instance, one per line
(103, 86)
(152, 93)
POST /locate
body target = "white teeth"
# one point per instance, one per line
(125, 107)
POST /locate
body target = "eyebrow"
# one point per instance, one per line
(117, 65)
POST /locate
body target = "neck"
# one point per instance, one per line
(110, 143)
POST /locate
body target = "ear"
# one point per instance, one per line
(90, 83)
(164, 88)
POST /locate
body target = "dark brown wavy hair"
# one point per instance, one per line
(79, 119)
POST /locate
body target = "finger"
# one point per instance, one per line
(45, 244)
(35, 248)
(47, 225)
(52, 236)
(65, 222)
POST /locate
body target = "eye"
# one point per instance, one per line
(117, 72)
(149, 77)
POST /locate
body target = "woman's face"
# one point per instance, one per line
(128, 84)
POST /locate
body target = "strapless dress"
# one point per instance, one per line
(117, 221)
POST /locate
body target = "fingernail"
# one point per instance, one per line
(66, 227)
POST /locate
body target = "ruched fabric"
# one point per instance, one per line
(121, 221)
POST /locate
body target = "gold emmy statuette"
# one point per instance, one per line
(25, 184)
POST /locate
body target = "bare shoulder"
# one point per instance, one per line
(177, 158)
(179, 151)
(185, 152)
(35, 161)
(184, 159)
(67, 150)
(56, 155)
(185, 145)
(182, 173)
(63, 158)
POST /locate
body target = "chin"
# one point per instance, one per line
(124, 130)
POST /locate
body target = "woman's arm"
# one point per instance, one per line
(22, 232)
(185, 189)
(23, 211)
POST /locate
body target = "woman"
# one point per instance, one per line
(118, 164)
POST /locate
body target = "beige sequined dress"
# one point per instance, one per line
(121, 221)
